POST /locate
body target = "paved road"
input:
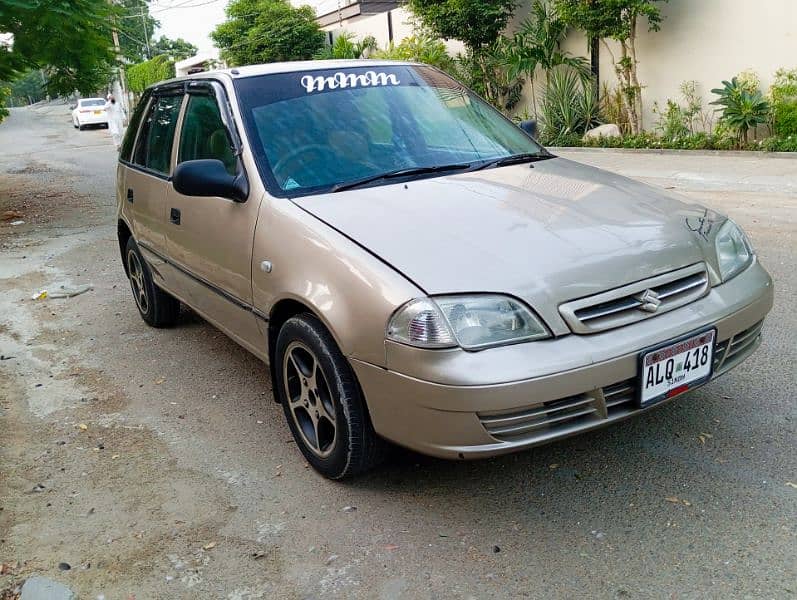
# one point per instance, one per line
(156, 465)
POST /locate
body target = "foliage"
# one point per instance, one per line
(487, 74)
(419, 48)
(780, 144)
(783, 95)
(5, 94)
(677, 121)
(136, 27)
(258, 31)
(143, 75)
(742, 109)
(617, 20)
(476, 23)
(695, 116)
(70, 40)
(347, 46)
(177, 49)
(536, 45)
(27, 88)
(696, 141)
(672, 120)
(568, 105)
(613, 108)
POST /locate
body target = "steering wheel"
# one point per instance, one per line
(322, 150)
(294, 154)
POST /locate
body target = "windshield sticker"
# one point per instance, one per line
(290, 184)
(347, 80)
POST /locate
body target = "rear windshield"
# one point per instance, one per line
(313, 130)
(93, 102)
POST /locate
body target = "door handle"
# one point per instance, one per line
(130, 195)
(174, 216)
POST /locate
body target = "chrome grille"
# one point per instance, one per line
(637, 301)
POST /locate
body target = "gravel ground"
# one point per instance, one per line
(156, 465)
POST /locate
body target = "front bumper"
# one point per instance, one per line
(456, 404)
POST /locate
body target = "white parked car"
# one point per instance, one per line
(89, 111)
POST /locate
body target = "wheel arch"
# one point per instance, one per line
(123, 234)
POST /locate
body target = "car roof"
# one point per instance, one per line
(87, 99)
(296, 66)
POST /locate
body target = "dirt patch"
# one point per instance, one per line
(29, 199)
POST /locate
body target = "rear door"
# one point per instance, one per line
(149, 171)
(209, 239)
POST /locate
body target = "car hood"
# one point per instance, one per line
(547, 233)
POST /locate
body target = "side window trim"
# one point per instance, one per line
(153, 100)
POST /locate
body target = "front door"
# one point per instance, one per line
(209, 239)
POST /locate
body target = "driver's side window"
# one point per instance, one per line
(204, 134)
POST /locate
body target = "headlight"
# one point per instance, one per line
(734, 251)
(472, 322)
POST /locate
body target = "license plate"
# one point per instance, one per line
(676, 367)
(97, 112)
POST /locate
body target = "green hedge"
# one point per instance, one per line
(698, 141)
(143, 75)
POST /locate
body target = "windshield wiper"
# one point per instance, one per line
(513, 159)
(405, 172)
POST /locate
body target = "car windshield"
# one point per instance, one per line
(93, 102)
(325, 130)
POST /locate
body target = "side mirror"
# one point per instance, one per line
(209, 177)
(530, 127)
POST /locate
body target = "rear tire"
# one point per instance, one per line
(80, 127)
(322, 401)
(155, 306)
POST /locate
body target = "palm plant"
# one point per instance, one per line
(346, 46)
(743, 109)
(537, 45)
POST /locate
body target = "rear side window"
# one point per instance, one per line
(204, 134)
(135, 121)
(154, 146)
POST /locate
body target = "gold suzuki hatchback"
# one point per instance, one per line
(414, 267)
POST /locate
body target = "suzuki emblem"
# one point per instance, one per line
(650, 301)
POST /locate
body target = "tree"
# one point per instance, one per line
(476, 23)
(177, 49)
(70, 40)
(617, 20)
(536, 45)
(144, 74)
(27, 88)
(258, 31)
(136, 30)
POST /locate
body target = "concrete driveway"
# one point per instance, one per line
(137, 463)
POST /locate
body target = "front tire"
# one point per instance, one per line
(322, 401)
(155, 306)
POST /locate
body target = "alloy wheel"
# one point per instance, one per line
(136, 274)
(310, 399)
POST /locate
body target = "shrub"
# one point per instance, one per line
(672, 122)
(742, 110)
(780, 144)
(783, 95)
(568, 105)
